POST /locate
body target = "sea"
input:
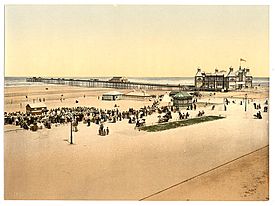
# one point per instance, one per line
(21, 81)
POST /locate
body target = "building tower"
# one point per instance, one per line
(199, 80)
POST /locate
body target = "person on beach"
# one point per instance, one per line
(75, 124)
(101, 127)
(258, 115)
(88, 121)
(34, 127)
(107, 131)
(187, 115)
(180, 115)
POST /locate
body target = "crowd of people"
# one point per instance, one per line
(88, 115)
(183, 116)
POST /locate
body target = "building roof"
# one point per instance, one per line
(112, 93)
(247, 73)
(118, 79)
(199, 73)
(216, 73)
(182, 95)
(231, 73)
(173, 93)
(222, 72)
(37, 105)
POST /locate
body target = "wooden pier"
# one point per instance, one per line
(95, 83)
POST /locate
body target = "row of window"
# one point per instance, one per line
(221, 79)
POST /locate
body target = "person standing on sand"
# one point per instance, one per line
(88, 121)
(107, 131)
(187, 115)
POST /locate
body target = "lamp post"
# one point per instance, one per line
(245, 102)
(71, 133)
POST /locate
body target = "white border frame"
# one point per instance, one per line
(142, 2)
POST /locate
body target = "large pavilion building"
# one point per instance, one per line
(222, 80)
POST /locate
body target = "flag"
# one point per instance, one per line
(242, 60)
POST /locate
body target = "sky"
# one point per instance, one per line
(134, 41)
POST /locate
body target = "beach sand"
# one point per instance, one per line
(129, 164)
(244, 179)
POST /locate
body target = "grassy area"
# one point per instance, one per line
(182, 123)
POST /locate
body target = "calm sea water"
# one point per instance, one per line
(21, 81)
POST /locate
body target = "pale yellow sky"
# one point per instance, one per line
(134, 41)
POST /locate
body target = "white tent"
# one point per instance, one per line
(137, 95)
(166, 100)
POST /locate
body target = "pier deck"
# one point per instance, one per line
(95, 83)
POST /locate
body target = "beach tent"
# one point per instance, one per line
(137, 95)
(112, 96)
(166, 100)
(36, 108)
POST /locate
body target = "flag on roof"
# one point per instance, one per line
(242, 60)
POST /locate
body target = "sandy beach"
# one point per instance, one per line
(129, 164)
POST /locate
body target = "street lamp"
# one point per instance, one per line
(245, 102)
(71, 136)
